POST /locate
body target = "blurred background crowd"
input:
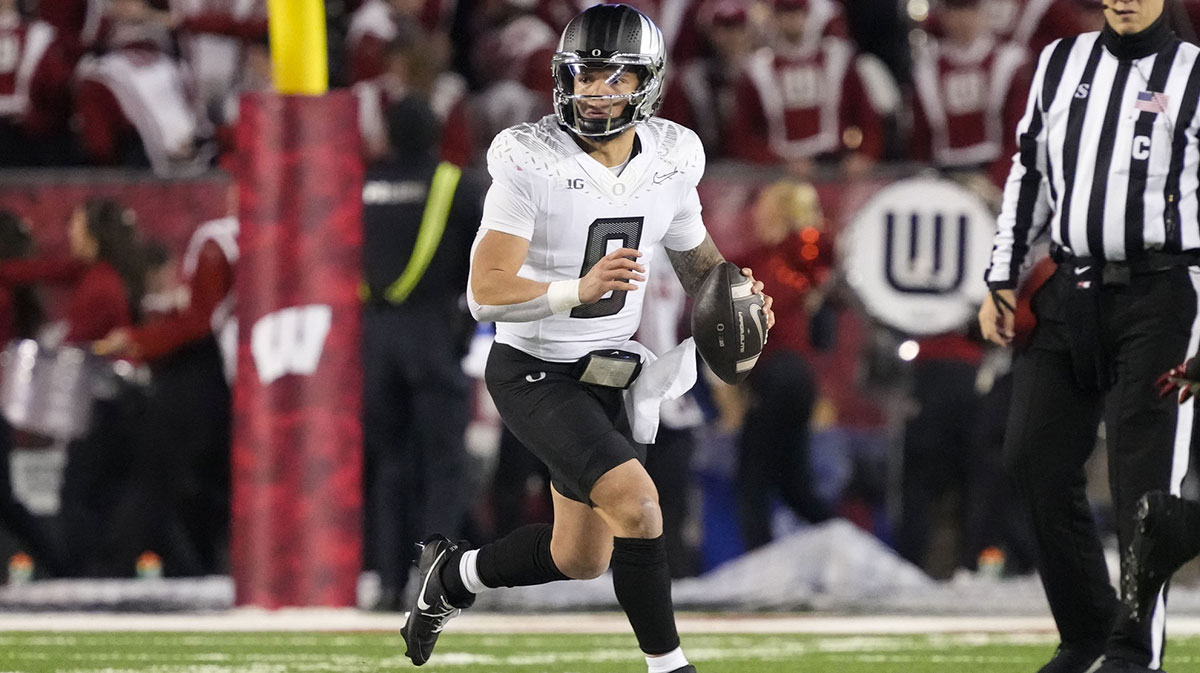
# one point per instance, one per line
(805, 108)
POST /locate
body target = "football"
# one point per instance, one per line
(728, 323)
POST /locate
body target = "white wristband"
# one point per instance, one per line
(563, 295)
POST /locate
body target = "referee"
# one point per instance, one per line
(1107, 167)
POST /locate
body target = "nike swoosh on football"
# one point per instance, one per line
(756, 320)
(421, 604)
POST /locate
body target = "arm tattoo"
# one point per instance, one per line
(693, 265)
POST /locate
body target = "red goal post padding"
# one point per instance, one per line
(297, 494)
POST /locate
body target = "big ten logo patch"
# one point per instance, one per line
(290, 341)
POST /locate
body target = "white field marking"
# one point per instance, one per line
(253, 620)
(763, 652)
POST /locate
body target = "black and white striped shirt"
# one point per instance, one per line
(1108, 155)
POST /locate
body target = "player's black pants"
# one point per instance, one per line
(415, 414)
(1136, 331)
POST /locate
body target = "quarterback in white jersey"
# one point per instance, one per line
(573, 210)
(580, 205)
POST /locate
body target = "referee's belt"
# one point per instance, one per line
(1118, 272)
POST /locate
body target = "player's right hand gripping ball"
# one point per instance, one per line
(728, 323)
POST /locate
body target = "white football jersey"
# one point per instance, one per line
(573, 210)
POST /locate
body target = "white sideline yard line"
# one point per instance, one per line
(310, 619)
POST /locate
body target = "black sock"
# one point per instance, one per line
(456, 592)
(642, 583)
(521, 558)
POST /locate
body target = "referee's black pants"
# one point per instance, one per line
(1144, 328)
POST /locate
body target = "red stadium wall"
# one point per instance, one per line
(168, 211)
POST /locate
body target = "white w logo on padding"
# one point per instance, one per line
(290, 341)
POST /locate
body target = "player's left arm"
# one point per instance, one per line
(692, 266)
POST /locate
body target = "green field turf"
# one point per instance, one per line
(358, 652)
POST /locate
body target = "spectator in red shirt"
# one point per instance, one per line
(700, 95)
(105, 278)
(508, 59)
(374, 26)
(132, 102)
(416, 63)
(208, 267)
(34, 91)
(103, 271)
(804, 98)
(969, 95)
(212, 36)
(20, 315)
(778, 398)
(179, 505)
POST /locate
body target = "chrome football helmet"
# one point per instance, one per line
(614, 40)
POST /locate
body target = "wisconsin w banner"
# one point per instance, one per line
(297, 494)
(916, 253)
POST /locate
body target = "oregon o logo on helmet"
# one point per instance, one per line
(915, 254)
(618, 36)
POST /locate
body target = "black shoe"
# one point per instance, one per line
(1068, 660)
(430, 609)
(1117, 665)
(686, 669)
(1161, 544)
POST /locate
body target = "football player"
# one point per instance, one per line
(583, 203)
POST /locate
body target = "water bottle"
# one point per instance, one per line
(991, 563)
(20, 568)
(149, 566)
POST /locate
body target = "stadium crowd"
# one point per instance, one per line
(155, 82)
(798, 90)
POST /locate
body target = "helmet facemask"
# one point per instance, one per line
(591, 115)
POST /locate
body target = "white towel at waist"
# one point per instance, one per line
(663, 378)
